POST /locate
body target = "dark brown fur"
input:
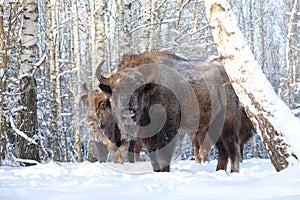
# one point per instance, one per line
(245, 132)
(160, 146)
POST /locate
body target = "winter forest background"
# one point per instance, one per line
(50, 47)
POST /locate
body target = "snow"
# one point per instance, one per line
(187, 180)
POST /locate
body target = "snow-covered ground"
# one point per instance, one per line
(257, 180)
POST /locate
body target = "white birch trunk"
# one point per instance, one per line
(290, 68)
(261, 34)
(79, 85)
(51, 22)
(2, 89)
(99, 38)
(127, 20)
(152, 27)
(279, 128)
(108, 45)
(28, 99)
(145, 37)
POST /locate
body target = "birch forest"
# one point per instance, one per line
(49, 48)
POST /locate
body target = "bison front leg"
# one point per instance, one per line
(119, 155)
(154, 161)
(165, 153)
(102, 152)
(131, 151)
(159, 159)
(137, 151)
(133, 154)
(97, 151)
(164, 157)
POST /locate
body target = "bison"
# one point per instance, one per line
(217, 104)
(160, 146)
(100, 123)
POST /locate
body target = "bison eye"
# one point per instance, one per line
(107, 104)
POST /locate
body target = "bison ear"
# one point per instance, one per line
(85, 94)
(105, 88)
(149, 71)
(84, 88)
(84, 99)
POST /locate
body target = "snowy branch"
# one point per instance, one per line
(27, 161)
(20, 133)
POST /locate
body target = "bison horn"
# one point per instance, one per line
(85, 89)
(105, 80)
(99, 69)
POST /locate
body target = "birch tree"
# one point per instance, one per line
(29, 52)
(2, 88)
(78, 97)
(291, 11)
(96, 36)
(51, 25)
(273, 119)
(261, 33)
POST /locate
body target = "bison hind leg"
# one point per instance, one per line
(197, 155)
(235, 157)
(223, 157)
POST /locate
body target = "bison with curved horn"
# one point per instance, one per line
(100, 122)
(148, 101)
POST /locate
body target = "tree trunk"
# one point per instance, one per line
(51, 22)
(108, 44)
(2, 89)
(95, 11)
(79, 85)
(251, 26)
(261, 33)
(145, 38)
(291, 9)
(29, 52)
(273, 119)
(127, 20)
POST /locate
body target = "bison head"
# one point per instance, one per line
(99, 120)
(124, 89)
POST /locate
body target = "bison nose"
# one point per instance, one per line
(128, 114)
(90, 123)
